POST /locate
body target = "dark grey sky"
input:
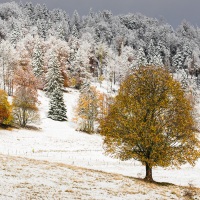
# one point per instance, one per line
(173, 11)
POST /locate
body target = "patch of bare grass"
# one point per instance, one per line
(46, 180)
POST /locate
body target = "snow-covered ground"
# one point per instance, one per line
(60, 142)
(32, 179)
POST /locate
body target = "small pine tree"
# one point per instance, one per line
(54, 76)
(154, 57)
(151, 50)
(61, 32)
(75, 32)
(141, 58)
(178, 60)
(42, 26)
(75, 20)
(54, 85)
(37, 61)
(156, 60)
(57, 110)
(15, 35)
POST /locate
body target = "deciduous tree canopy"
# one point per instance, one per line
(151, 121)
(5, 108)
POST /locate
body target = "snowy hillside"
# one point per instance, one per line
(60, 142)
(32, 179)
(47, 155)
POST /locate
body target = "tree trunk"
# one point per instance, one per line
(148, 176)
(24, 118)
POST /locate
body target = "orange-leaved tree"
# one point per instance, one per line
(152, 121)
(104, 101)
(86, 110)
(25, 97)
(5, 109)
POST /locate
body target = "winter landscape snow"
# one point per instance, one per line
(57, 158)
(73, 88)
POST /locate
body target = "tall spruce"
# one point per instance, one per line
(54, 78)
(141, 58)
(54, 86)
(178, 59)
(38, 60)
(57, 110)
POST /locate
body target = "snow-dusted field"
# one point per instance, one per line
(32, 179)
(60, 142)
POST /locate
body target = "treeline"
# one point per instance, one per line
(50, 50)
(177, 48)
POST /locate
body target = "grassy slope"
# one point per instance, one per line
(32, 179)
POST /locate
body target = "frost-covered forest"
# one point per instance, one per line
(63, 76)
(49, 50)
(97, 45)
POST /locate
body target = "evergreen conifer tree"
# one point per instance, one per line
(38, 62)
(15, 34)
(154, 57)
(75, 32)
(57, 110)
(151, 50)
(141, 58)
(178, 59)
(75, 20)
(156, 60)
(54, 85)
(53, 77)
(61, 32)
(42, 26)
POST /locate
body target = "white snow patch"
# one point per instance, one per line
(60, 142)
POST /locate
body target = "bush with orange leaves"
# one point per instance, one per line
(5, 109)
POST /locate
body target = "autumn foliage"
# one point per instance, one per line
(86, 110)
(104, 101)
(5, 109)
(25, 97)
(152, 121)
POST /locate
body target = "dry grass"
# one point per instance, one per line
(190, 193)
(27, 178)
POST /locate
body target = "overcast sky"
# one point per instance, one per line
(173, 11)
